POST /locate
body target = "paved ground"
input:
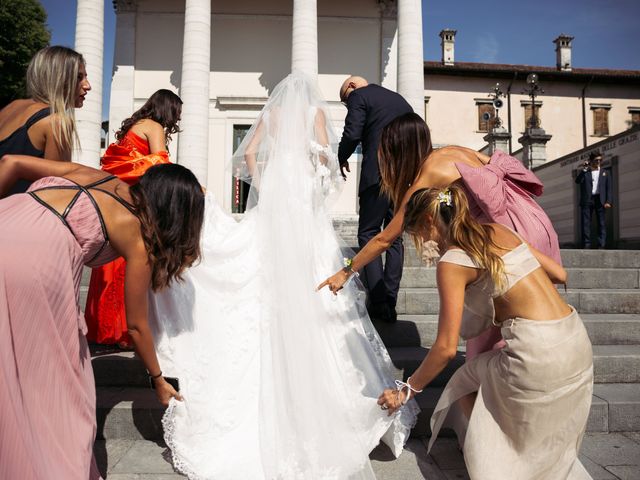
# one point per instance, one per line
(606, 456)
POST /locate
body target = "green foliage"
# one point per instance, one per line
(22, 33)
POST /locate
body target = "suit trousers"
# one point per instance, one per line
(382, 282)
(595, 205)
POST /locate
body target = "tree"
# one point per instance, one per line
(22, 33)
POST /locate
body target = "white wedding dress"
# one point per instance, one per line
(279, 381)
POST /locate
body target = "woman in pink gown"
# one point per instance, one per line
(499, 188)
(72, 216)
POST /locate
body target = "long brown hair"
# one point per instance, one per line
(52, 78)
(163, 107)
(405, 144)
(170, 205)
(449, 207)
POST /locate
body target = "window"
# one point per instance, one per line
(600, 122)
(486, 116)
(600, 119)
(634, 112)
(239, 189)
(528, 111)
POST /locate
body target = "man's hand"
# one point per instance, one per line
(607, 205)
(344, 166)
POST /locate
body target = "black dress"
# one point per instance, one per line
(18, 143)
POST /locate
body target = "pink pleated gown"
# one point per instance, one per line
(502, 192)
(47, 390)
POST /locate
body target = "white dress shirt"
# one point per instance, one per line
(595, 174)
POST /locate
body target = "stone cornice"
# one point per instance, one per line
(388, 8)
(125, 5)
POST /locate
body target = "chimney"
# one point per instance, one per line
(563, 52)
(448, 37)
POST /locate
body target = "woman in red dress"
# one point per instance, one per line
(140, 143)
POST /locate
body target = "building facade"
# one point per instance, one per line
(225, 57)
(579, 106)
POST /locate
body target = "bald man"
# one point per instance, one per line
(370, 108)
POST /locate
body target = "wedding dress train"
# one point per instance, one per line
(279, 381)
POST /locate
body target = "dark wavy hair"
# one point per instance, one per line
(170, 205)
(163, 107)
(405, 144)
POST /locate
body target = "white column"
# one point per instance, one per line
(90, 43)
(389, 45)
(304, 45)
(122, 82)
(410, 61)
(193, 144)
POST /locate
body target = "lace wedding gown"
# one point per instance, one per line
(279, 381)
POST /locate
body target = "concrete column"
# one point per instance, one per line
(122, 83)
(410, 60)
(304, 44)
(193, 144)
(534, 150)
(388, 44)
(90, 43)
(498, 139)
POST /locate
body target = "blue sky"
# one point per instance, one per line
(489, 31)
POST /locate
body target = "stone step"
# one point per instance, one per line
(615, 268)
(599, 415)
(421, 330)
(611, 363)
(424, 301)
(578, 278)
(134, 413)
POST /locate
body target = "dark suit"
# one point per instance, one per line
(369, 110)
(594, 202)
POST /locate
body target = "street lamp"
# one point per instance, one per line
(495, 95)
(533, 89)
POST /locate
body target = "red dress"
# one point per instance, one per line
(128, 159)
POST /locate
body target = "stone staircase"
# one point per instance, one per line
(604, 286)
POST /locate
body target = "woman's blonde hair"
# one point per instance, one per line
(449, 206)
(52, 78)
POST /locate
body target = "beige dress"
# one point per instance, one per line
(533, 396)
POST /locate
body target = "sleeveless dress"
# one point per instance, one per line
(47, 391)
(502, 192)
(19, 143)
(128, 159)
(533, 395)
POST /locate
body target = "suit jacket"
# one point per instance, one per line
(369, 110)
(585, 180)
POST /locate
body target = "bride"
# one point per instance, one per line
(279, 381)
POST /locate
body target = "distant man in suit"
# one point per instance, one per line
(369, 109)
(595, 195)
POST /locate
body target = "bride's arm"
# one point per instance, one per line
(250, 154)
(321, 134)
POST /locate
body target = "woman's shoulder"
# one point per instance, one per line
(145, 126)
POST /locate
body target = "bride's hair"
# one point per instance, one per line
(449, 207)
(405, 144)
(170, 205)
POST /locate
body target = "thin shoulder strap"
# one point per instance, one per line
(36, 117)
(459, 257)
(118, 199)
(101, 181)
